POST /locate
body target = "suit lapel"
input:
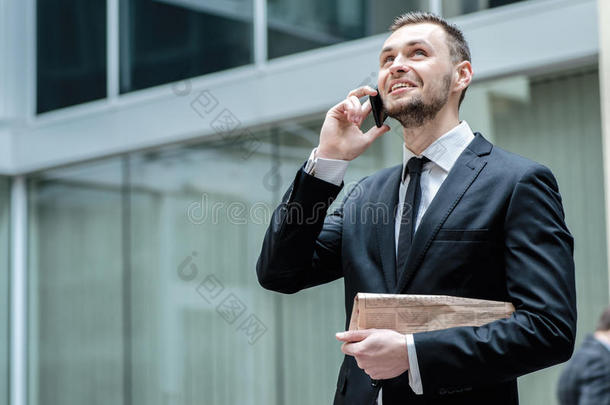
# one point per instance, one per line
(385, 226)
(465, 170)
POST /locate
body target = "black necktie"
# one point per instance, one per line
(409, 212)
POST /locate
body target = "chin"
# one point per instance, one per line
(398, 105)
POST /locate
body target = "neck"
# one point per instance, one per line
(418, 139)
(602, 335)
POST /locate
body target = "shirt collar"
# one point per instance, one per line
(445, 150)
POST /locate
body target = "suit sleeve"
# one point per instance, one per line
(302, 246)
(539, 273)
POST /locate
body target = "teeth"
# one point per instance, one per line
(398, 85)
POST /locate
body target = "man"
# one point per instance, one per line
(586, 378)
(472, 220)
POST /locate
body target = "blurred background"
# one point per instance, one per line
(145, 143)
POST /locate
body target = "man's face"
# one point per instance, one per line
(415, 73)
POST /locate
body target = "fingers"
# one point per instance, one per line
(366, 108)
(363, 109)
(353, 109)
(355, 350)
(354, 335)
(352, 348)
(356, 112)
(363, 91)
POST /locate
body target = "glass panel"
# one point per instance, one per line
(70, 52)
(162, 41)
(452, 8)
(555, 120)
(204, 331)
(77, 328)
(4, 288)
(295, 26)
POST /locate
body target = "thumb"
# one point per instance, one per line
(376, 132)
(354, 335)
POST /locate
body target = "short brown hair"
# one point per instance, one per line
(458, 47)
(604, 321)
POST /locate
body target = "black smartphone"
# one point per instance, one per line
(377, 109)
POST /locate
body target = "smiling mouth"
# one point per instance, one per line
(399, 86)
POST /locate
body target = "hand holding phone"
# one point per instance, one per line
(341, 136)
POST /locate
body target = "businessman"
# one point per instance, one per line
(464, 218)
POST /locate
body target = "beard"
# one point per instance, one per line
(417, 112)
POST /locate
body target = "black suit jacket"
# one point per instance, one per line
(495, 230)
(586, 378)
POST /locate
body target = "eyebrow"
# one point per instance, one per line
(410, 43)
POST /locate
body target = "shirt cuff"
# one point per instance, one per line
(329, 170)
(414, 377)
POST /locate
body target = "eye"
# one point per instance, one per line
(419, 52)
(387, 59)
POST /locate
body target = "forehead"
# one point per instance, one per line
(430, 33)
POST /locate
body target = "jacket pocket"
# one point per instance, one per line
(471, 235)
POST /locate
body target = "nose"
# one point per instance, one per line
(399, 65)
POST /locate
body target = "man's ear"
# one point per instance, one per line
(463, 75)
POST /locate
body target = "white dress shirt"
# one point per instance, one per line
(442, 154)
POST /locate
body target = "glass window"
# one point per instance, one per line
(4, 289)
(295, 25)
(71, 52)
(162, 41)
(78, 306)
(204, 331)
(452, 8)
